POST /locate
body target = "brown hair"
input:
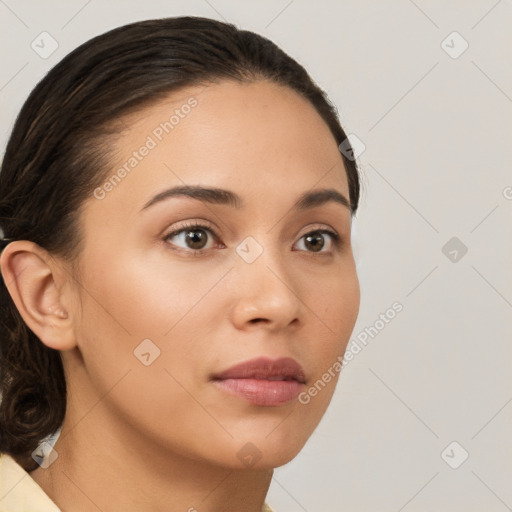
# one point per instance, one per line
(58, 153)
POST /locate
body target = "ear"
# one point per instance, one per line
(35, 281)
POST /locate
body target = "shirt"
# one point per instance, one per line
(19, 492)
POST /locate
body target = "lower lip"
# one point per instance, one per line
(263, 392)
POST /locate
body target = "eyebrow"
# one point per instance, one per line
(220, 196)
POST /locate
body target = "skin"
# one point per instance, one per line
(163, 437)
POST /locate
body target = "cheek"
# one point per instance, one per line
(127, 304)
(336, 302)
(337, 307)
(138, 299)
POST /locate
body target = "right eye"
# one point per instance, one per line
(194, 237)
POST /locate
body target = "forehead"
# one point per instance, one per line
(260, 139)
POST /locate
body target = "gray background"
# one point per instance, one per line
(437, 164)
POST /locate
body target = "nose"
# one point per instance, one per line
(266, 293)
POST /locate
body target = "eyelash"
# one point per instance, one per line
(199, 252)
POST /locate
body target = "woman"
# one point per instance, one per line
(178, 280)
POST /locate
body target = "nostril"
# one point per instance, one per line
(254, 320)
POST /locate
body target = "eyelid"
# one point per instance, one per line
(319, 227)
(196, 223)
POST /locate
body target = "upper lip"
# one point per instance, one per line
(284, 368)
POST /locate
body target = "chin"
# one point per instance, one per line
(278, 459)
(262, 450)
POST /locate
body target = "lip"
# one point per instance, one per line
(263, 381)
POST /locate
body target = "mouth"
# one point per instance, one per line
(263, 381)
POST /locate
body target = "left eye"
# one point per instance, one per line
(315, 239)
(195, 238)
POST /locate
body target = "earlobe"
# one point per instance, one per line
(32, 279)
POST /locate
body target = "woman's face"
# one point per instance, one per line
(166, 309)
